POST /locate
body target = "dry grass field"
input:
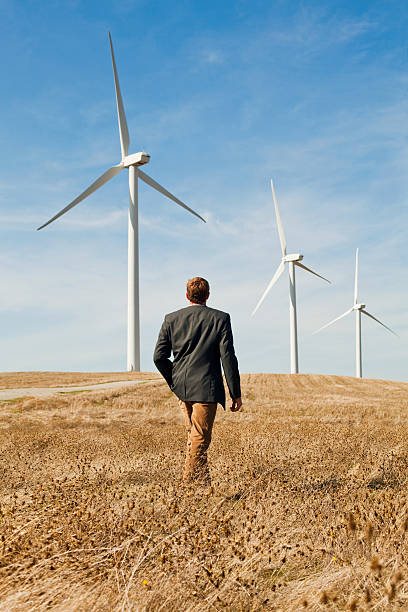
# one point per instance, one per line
(308, 509)
(9, 380)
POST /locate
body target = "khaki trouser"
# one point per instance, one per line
(199, 418)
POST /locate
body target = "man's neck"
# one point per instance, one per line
(196, 304)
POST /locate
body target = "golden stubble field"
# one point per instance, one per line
(308, 509)
(10, 380)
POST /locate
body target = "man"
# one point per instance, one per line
(199, 337)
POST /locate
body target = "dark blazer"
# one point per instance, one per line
(199, 337)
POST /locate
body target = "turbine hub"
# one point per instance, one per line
(136, 159)
(359, 306)
(293, 257)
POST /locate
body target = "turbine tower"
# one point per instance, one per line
(293, 260)
(133, 162)
(358, 308)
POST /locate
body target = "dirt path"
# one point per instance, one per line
(8, 394)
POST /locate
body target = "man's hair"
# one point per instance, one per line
(198, 290)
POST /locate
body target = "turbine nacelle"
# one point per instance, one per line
(136, 159)
(359, 306)
(292, 257)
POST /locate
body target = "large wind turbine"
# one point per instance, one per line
(293, 260)
(358, 308)
(133, 162)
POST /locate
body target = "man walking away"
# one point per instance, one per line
(200, 339)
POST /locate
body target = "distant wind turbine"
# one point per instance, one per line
(359, 308)
(133, 162)
(293, 260)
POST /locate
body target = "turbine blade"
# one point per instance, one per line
(123, 128)
(356, 280)
(280, 227)
(334, 320)
(269, 287)
(297, 263)
(147, 179)
(378, 321)
(104, 178)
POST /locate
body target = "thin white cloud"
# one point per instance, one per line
(28, 220)
(106, 219)
(212, 56)
(314, 30)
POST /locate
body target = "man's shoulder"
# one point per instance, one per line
(205, 311)
(176, 314)
(220, 314)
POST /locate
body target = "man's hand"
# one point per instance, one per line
(236, 404)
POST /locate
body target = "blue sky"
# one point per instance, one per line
(223, 96)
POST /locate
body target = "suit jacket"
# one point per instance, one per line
(199, 337)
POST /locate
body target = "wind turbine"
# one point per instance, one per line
(293, 260)
(358, 308)
(133, 162)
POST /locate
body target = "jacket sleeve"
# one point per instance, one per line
(162, 353)
(229, 360)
